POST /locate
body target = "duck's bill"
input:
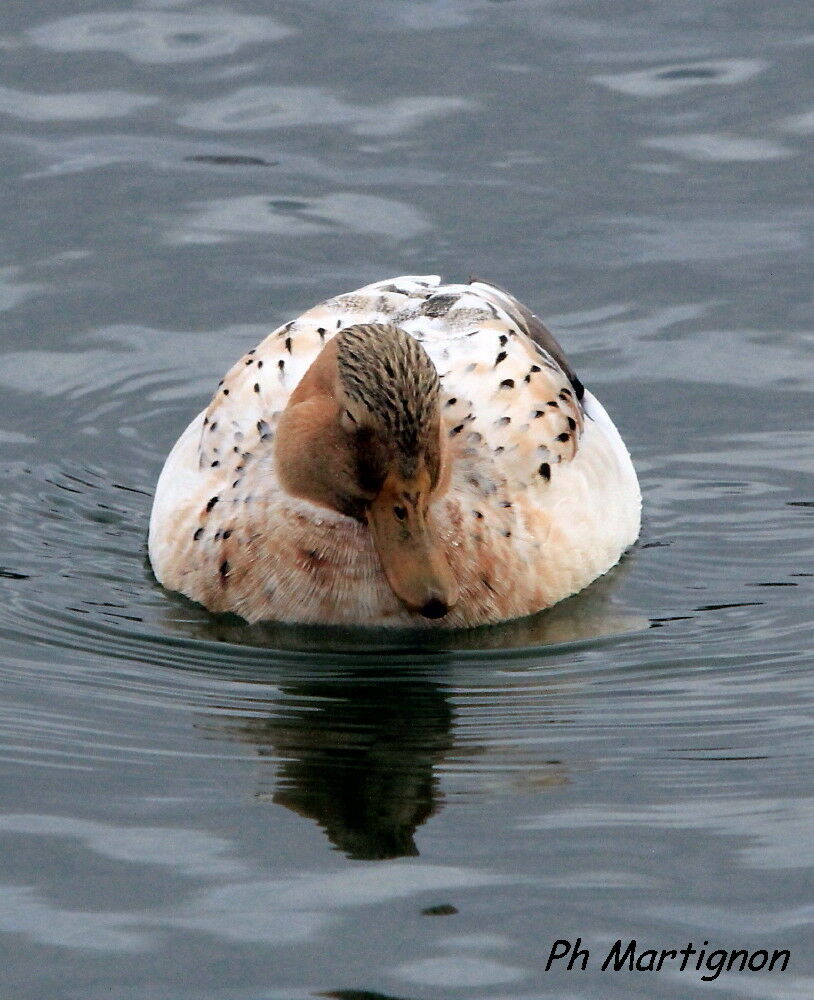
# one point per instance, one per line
(411, 554)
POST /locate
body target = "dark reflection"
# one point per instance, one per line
(360, 719)
(689, 73)
(441, 910)
(230, 160)
(10, 574)
(358, 756)
(358, 995)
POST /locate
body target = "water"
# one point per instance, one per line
(196, 810)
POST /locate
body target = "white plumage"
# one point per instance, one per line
(543, 496)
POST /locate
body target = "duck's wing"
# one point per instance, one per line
(531, 325)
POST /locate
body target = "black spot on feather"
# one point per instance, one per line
(545, 471)
(211, 503)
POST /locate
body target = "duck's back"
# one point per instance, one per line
(538, 466)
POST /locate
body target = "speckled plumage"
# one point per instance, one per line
(542, 499)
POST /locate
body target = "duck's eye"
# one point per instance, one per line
(349, 423)
(400, 512)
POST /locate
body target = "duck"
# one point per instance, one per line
(411, 454)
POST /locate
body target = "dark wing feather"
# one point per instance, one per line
(533, 327)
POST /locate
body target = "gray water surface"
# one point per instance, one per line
(193, 809)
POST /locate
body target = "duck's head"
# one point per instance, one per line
(362, 435)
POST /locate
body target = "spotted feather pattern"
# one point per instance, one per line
(543, 497)
(502, 393)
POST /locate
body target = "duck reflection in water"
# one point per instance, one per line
(358, 737)
(358, 756)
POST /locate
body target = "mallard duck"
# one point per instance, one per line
(409, 454)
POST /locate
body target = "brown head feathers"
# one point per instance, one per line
(391, 375)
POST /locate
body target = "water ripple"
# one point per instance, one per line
(85, 106)
(159, 36)
(776, 828)
(13, 291)
(802, 124)
(675, 78)
(232, 218)
(256, 108)
(709, 148)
